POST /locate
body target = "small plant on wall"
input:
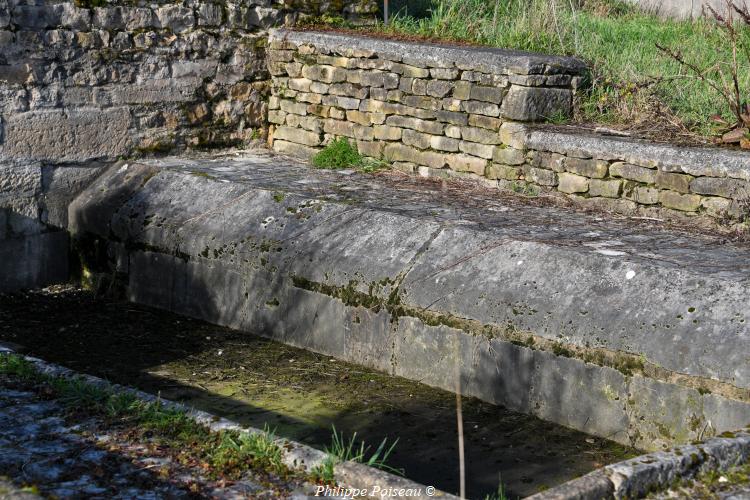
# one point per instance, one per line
(735, 23)
(340, 154)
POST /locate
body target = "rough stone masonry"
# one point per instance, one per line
(83, 83)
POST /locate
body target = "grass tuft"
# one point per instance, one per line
(340, 154)
(344, 450)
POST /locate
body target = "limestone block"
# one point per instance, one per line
(605, 189)
(20, 188)
(509, 156)
(439, 88)
(487, 122)
(674, 182)
(422, 102)
(683, 202)
(387, 133)
(175, 17)
(453, 132)
(408, 71)
(442, 143)
(416, 139)
(358, 117)
(278, 117)
(640, 194)
(444, 73)
(482, 135)
(487, 94)
(462, 90)
(724, 187)
(552, 161)
(572, 183)
(596, 169)
(349, 90)
(475, 149)
(72, 135)
(294, 149)
(716, 206)
(309, 98)
(540, 176)
(453, 117)
(370, 148)
(325, 74)
(481, 108)
(428, 127)
(339, 62)
(496, 171)
(300, 84)
(465, 163)
(632, 172)
(296, 108)
(311, 123)
(352, 130)
(400, 152)
(380, 64)
(536, 103)
(514, 135)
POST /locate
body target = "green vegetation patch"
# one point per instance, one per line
(633, 82)
(340, 154)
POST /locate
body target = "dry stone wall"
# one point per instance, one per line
(413, 104)
(469, 112)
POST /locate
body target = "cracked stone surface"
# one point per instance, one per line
(45, 447)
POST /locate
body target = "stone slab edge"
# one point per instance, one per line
(295, 455)
(695, 160)
(656, 471)
(478, 58)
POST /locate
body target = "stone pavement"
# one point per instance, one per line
(78, 457)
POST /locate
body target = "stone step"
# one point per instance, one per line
(617, 327)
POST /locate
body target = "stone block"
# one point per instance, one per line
(605, 189)
(475, 149)
(462, 90)
(453, 117)
(175, 17)
(536, 103)
(402, 153)
(540, 176)
(439, 88)
(509, 156)
(277, 117)
(442, 143)
(349, 90)
(297, 135)
(640, 194)
(632, 172)
(428, 127)
(677, 201)
(453, 132)
(325, 74)
(514, 135)
(487, 94)
(482, 135)
(724, 187)
(346, 129)
(387, 133)
(209, 14)
(359, 117)
(466, 163)
(552, 161)
(444, 73)
(572, 183)
(67, 135)
(408, 71)
(481, 108)
(294, 149)
(343, 62)
(715, 206)
(596, 169)
(370, 148)
(487, 122)
(416, 139)
(297, 108)
(674, 182)
(309, 122)
(422, 102)
(496, 171)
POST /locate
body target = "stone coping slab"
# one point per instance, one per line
(486, 59)
(641, 475)
(617, 328)
(694, 160)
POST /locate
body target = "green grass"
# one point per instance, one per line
(344, 450)
(632, 79)
(340, 154)
(227, 453)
